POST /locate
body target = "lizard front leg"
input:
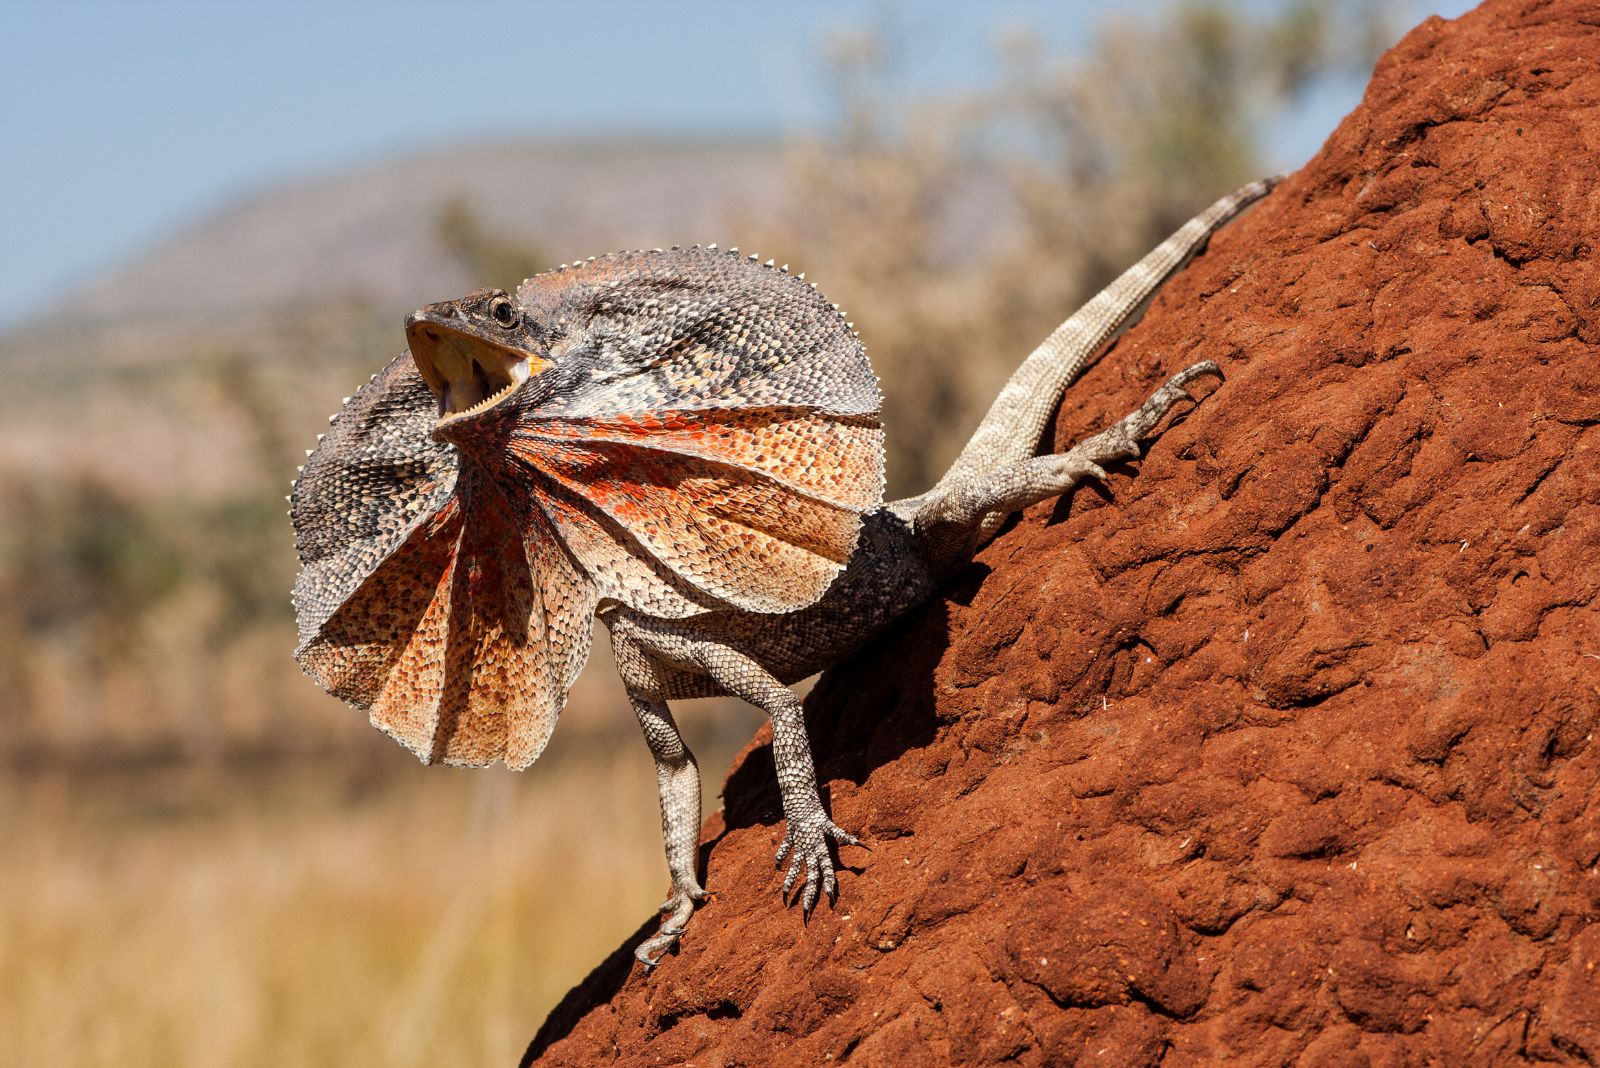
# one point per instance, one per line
(658, 657)
(678, 781)
(953, 525)
(805, 843)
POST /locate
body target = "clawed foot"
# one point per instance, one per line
(1120, 441)
(676, 911)
(1125, 434)
(806, 845)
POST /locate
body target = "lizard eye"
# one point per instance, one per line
(504, 312)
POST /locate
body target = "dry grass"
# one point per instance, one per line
(366, 912)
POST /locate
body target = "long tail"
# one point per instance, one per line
(1010, 431)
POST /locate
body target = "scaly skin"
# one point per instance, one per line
(686, 444)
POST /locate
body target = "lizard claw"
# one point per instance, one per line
(1194, 371)
(806, 846)
(1120, 440)
(677, 909)
(1072, 468)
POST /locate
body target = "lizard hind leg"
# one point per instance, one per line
(1043, 477)
(953, 525)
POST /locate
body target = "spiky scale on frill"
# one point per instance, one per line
(373, 478)
(706, 436)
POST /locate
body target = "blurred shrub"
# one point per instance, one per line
(963, 229)
(488, 258)
(84, 567)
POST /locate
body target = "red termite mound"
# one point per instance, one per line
(1283, 750)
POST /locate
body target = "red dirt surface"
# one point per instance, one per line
(1283, 750)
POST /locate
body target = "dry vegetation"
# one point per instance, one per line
(210, 862)
(321, 913)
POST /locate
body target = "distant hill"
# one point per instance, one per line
(371, 232)
(296, 289)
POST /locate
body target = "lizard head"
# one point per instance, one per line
(474, 352)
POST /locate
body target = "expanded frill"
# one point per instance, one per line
(697, 431)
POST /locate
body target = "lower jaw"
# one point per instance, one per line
(484, 402)
(468, 376)
(477, 403)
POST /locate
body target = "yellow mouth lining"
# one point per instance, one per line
(469, 376)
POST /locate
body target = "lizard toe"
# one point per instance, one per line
(813, 867)
(651, 951)
(792, 875)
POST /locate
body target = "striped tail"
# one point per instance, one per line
(1010, 431)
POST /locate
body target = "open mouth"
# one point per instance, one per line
(468, 374)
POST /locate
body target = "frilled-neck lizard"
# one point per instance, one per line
(685, 443)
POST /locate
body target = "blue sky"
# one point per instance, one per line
(124, 121)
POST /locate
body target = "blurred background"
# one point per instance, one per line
(215, 220)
